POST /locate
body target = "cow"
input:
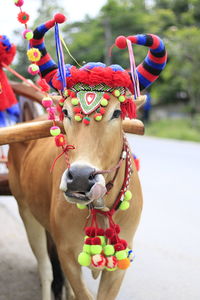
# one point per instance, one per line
(90, 173)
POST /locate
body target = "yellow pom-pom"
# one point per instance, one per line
(104, 102)
(34, 54)
(124, 205)
(84, 259)
(81, 206)
(128, 196)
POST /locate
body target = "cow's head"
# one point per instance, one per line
(98, 146)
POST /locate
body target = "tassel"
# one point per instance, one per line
(128, 109)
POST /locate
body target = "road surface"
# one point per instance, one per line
(167, 243)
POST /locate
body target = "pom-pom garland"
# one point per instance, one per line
(33, 69)
(23, 17)
(28, 34)
(34, 54)
(19, 3)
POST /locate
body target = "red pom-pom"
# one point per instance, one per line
(60, 140)
(59, 18)
(86, 120)
(109, 232)
(119, 247)
(71, 94)
(120, 42)
(106, 96)
(113, 240)
(77, 109)
(124, 243)
(96, 241)
(117, 228)
(88, 241)
(43, 84)
(90, 231)
(100, 231)
(132, 38)
(23, 17)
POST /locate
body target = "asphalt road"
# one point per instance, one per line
(167, 243)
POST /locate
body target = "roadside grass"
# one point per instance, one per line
(180, 129)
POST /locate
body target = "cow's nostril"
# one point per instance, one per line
(69, 175)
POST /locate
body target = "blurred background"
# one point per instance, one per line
(167, 244)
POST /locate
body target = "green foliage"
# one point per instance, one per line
(181, 129)
(177, 22)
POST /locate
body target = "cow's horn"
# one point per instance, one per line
(149, 70)
(46, 64)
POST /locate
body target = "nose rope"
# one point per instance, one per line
(65, 151)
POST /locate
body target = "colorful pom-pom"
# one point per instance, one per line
(74, 101)
(23, 17)
(109, 232)
(77, 109)
(47, 102)
(128, 196)
(19, 3)
(88, 241)
(61, 102)
(28, 34)
(33, 69)
(124, 242)
(100, 231)
(109, 250)
(90, 231)
(116, 93)
(121, 254)
(81, 206)
(78, 117)
(121, 98)
(55, 130)
(123, 264)
(111, 262)
(119, 247)
(59, 18)
(98, 261)
(103, 240)
(86, 248)
(96, 241)
(101, 110)
(121, 42)
(97, 117)
(34, 54)
(124, 205)
(84, 259)
(104, 102)
(60, 140)
(106, 96)
(96, 249)
(86, 120)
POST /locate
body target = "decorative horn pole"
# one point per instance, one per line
(46, 64)
(149, 70)
(40, 129)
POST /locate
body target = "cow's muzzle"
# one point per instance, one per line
(80, 184)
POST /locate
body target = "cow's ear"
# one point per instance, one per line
(140, 101)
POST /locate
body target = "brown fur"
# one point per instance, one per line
(38, 191)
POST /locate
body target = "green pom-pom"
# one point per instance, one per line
(121, 98)
(81, 206)
(98, 118)
(128, 196)
(116, 93)
(29, 35)
(74, 101)
(104, 102)
(124, 205)
(113, 269)
(96, 249)
(86, 248)
(103, 240)
(121, 254)
(78, 118)
(84, 259)
(109, 250)
(55, 130)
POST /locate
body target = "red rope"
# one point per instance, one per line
(65, 151)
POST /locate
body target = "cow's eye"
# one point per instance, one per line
(116, 114)
(65, 111)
